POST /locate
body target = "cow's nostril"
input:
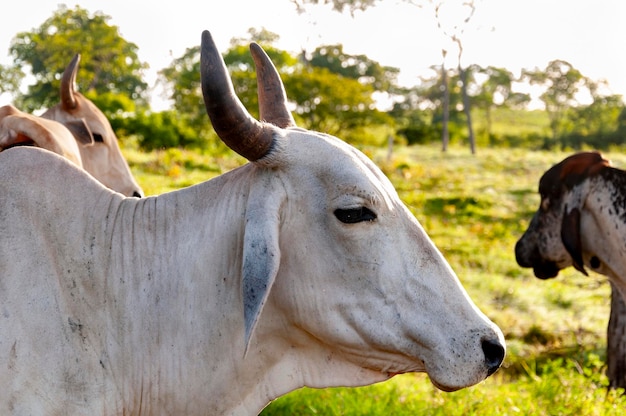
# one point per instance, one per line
(494, 355)
(136, 194)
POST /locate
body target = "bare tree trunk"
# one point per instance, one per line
(445, 135)
(467, 109)
(616, 341)
(389, 148)
(489, 122)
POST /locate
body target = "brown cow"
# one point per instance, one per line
(22, 129)
(101, 156)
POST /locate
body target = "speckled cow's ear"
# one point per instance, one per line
(570, 235)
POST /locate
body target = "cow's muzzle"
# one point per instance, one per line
(543, 269)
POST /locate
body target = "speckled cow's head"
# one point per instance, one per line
(552, 241)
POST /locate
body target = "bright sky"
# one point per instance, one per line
(515, 34)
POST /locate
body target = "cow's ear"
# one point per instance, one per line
(80, 131)
(261, 251)
(12, 134)
(570, 235)
(22, 130)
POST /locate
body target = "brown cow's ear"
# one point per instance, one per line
(570, 235)
(80, 131)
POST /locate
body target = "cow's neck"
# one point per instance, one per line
(175, 261)
(304, 361)
(604, 231)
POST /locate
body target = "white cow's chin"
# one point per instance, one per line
(449, 384)
(444, 388)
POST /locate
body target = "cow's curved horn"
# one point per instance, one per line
(271, 92)
(231, 121)
(67, 84)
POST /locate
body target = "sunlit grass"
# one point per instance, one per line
(560, 386)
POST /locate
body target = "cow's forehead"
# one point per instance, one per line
(550, 182)
(333, 157)
(95, 118)
(570, 172)
(340, 168)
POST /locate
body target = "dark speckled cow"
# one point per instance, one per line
(581, 220)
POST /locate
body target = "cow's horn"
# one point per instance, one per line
(67, 84)
(231, 121)
(271, 92)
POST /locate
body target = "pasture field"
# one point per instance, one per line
(474, 207)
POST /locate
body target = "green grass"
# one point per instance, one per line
(558, 387)
(514, 122)
(474, 209)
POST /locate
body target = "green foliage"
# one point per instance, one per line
(112, 103)
(562, 82)
(310, 85)
(564, 124)
(419, 133)
(243, 73)
(494, 91)
(10, 78)
(329, 90)
(108, 62)
(182, 82)
(596, 125)
(338, 5)
(357, 67)
(324, 107)
(157, 130)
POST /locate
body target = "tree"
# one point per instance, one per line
(495, 91)
(182, 79)
(454, 29)
(445, 107)
(311, 87)
(600, 117)
(322, 106)
(338, 5)
(351, 107)
(182, 85)
(421, 110)
(10, 78)
(357, 67)
(561, 81)
(158, 130)
(109, 63)
(621, 123)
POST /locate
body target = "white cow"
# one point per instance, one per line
(302, 268)
(18, 128)
(100, 153)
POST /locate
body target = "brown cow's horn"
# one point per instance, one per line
(231, 121)
(272, 97)
(68, 101)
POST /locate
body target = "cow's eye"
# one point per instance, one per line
(354, 215)
(98, 138)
